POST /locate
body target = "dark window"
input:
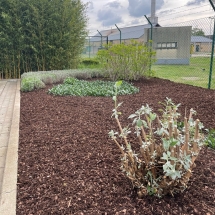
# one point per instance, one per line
(159, 45)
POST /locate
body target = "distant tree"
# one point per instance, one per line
(41, 35)
(198, 32)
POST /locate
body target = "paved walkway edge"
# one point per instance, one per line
(9, 186)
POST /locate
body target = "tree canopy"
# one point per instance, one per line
(198, 32)
(40, 35)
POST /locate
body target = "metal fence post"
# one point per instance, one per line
(120, 34)
(89, 47)
(101, 38)
(150, 66)
(212, 56)
(212, 51)
(151, 26)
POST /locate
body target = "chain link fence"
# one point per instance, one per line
(93, 44)
(191, 49)
(183, 50)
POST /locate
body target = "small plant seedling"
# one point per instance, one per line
(210, 139)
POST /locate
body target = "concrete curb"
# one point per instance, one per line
(9, 185)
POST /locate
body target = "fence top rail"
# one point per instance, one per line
(97, 36)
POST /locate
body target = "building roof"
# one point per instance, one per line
(200, 39)
(133, 32)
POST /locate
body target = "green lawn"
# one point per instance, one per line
(197, 73)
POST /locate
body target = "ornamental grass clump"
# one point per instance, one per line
(167, 148)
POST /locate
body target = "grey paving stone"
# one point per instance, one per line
(9, 138)
(3, 151)
(4, 139)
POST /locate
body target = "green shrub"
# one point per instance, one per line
(126, 61)
(70, 80)
(97, 74)
(90, 61)
(91, 88)
(31, 83)
(56, 76)
(166, 154)
(49, 78)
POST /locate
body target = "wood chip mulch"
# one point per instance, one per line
(68, 165)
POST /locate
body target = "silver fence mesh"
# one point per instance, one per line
(193, 47)
(183, 49)
(93, 44)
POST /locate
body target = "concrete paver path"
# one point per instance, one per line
(9, 138)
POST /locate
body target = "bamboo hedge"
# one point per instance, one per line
(40, 35)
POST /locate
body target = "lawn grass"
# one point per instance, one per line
(196, 74)
(90, 66)
(89, 63)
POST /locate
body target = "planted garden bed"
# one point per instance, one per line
(69, 165)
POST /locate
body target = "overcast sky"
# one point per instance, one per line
(104, 14)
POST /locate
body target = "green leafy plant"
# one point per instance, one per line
(166, 154)
(210, 139)
(126, 61)
(70, 80)
(89, 61)
(31, 83)
(76, 87)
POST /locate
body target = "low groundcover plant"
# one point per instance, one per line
(166, 151)
(75, 87)
(36, 80)
(31, 83)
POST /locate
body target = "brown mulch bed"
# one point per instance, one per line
(68, 165)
